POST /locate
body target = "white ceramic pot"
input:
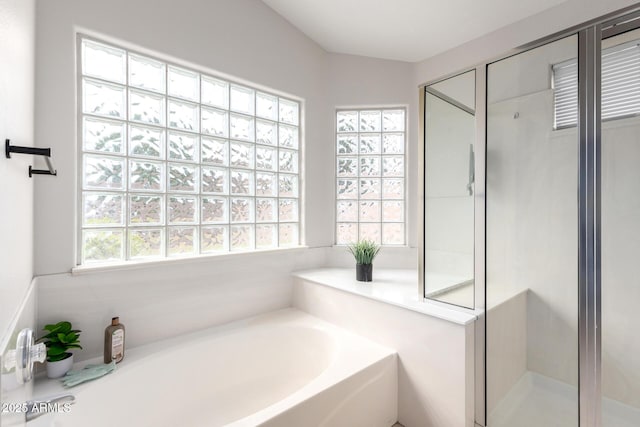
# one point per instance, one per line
(59, 368)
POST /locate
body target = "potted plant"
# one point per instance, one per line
(60, 338)
(364, 251)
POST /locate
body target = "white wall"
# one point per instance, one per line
(170, 299)
(17, 302)
(17, 50)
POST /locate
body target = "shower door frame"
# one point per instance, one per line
(590, 35)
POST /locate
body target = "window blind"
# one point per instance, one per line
(620, 86)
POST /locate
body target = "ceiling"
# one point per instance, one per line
(404, 30)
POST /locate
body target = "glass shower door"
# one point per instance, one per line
(531, 237)
(620, 229)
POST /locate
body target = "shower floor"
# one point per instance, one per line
(537, 401)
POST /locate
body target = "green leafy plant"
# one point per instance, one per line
(364, 251)
(60, 338)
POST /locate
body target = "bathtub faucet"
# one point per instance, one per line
(35, 408)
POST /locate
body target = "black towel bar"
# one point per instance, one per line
(45, 152)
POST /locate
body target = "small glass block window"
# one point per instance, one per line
(177, 163)
(370, 176)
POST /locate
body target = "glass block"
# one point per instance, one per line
(393, 234)
(146, 73)
(370, 143)
(370, 232)
(241, 210)
(183, 178)
(287, 185)
(288, 210)
(242, 154)
(347, 166)
(393, 188)
(148, 176)
(347, 210)
(103, 172)
(214, 209)
(266, 158)
(242, 99)
(369, 211)
(393, 120)
(182, 210)
(182, 241)
(215, 92)
(146, 108)
(393, 143)
(102, 245)
(288, 136)
(347, 188)
(103, 135)
(266, 210)
(289, 112)
(346, 233)
(370, 121)
(214, 239)
(288, 161)
(103, 99)
(266, 236)
(146, 142)
(347, 121)
(214, 180)
(266, 106)
(369, 166)
(103, 61)
(101, 209)
(347, 144)
(288, 234)
(146, 210)
(393, 211)
(242, 127)
(266, 184)
(215, 151)
(215, 122)
(145, 243)
(241, 237)
(242, 182)
(183, 115)
(183, 146)
(370, 189)
(266, 132)
(393, 166)
(184, 84)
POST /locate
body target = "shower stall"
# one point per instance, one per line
(557, 229)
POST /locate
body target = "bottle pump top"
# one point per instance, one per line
(115, 321)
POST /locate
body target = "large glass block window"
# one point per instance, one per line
(370, 176)
(180, 163)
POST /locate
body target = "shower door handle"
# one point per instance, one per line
(472, 170)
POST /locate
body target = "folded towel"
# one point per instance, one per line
(88, 373)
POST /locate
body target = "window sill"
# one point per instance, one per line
(139, 264)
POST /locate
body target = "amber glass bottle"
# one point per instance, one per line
(114, 341)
